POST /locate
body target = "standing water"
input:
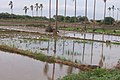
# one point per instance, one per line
(16, 67)
(80, 51)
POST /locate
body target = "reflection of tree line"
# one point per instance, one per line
(46, 68)
(102, 59)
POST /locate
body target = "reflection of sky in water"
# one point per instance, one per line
(96, 36)
(16, 67)
(74, 50)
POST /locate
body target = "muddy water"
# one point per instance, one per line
(16, 67)
(85, 52)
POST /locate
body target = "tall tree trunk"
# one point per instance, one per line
(32, 13)
(65, 14)
(118, 10)
(85, 14)
(56, 17)
(94, 15)
(49, 13)
(11, 11)
(41, 12)
(75, 15)
(104, 12)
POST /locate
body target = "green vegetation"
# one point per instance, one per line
(38, 56)
(71, 19)
(70, 28)
(109, 20)
(90, 30)
(97, 74)
(40, 39)
(26, 17)
(82, 41)
(20, 17)
(117, 43)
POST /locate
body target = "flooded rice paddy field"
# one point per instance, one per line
(98, 37)
(17, 67)
(80, 51)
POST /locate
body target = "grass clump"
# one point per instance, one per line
(40, 39)
(117, 43)
(97, 74)
(70, 28)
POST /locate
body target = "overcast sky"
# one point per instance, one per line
(19, 4)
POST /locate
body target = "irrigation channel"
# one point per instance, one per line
(79, 51)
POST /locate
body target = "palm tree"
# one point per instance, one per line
(56, 16)
(113, 8)
(41, 7)
(25, 9)
(11, 6)
(109, 9)
(104, 17)
(85, 14)
(118, 10)
(65, 14)
(104, 9)
(37, 7)
(32, 7)
(94, 15)
(49, 13)
(75, 14)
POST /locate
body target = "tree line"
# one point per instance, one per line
(60, 17)
(74, 18)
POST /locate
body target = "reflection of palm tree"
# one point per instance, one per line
(92, 51)
(31, 7)
(36, 6)
(83, 49)
(41, 7)
(102, 58)
(53, 73)
(25, 9)
(69, 70)
(46, 68)
(109, 9)
(11, 6)
(55, 40)
(83, 52)
(73, 50)
(48, 47)
(63, 46)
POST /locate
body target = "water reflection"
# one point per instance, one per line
(16, 67)
(96, 36)
(81, 51)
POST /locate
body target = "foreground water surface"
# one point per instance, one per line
(17, 67)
